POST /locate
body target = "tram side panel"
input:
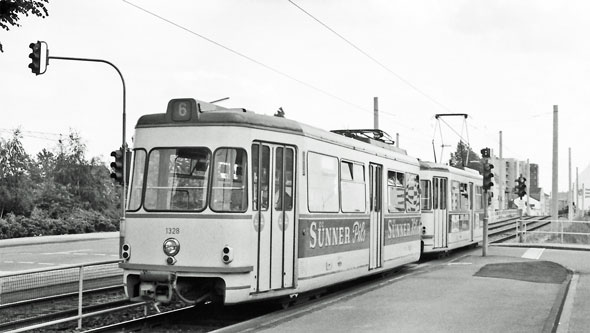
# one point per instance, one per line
(333, 241)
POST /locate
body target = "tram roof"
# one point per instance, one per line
(206, 114)
(427, 165)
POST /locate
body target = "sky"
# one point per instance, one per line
(504, 63)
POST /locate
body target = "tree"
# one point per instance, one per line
(15, 177)
(464, 157)
(12, 10)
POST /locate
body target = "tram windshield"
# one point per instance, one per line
(180, 179)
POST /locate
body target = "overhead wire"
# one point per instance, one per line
(373, 59)
(402, 79)
(242, 55)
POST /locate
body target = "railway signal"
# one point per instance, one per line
(117, 166)
(36, 56)
(487, 175)
(521, 186)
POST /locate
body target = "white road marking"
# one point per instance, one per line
(46, 263)
(25, 262)
(9, 262)
(459, 263)
(533, 253)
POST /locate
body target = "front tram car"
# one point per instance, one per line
(229, 206)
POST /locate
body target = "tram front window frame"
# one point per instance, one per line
(177, 179)
(180, 179)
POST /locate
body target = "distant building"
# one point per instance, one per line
(534, 189)
(506, 172)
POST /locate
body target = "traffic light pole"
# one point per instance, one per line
(123, 144)
(484, 247)
(487, 185)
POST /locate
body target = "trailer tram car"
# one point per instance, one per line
(229, 206)
(451, 206)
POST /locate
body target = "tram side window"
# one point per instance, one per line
(443, 193)
(229, 186)
(139, 156)
(396, 191)
(455, 196)
(412, 192)
(478, 200)
(436, 193)
(283, 179)
(459, 196)
(260, 176)
(426, 195)
(352, 185)
(322, 183)
(177, 179)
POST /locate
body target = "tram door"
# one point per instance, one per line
(273, 172)
(376, 216)
(471, 210)
(440, 212)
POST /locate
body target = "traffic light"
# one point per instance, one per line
(485, 153)
(487, 175)
(117, 166)
(36, 57)
(521, 187)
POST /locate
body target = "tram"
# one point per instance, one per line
(230, 206)
(452, 207)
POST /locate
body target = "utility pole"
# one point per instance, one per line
(528, 195)
(397, 140)
(376, 112)
(577, 191)
(554, 191)
(570, 195)
(501, 180)
(583, 196)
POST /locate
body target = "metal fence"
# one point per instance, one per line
(22, 287)
(41, 283)
(562, 231)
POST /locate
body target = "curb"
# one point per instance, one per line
(554, 317)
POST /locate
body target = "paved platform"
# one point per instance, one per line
(509, 290)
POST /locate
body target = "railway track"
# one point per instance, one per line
(210, 317)
(506, 229)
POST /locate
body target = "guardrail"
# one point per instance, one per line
(39, 284)
(560, 231)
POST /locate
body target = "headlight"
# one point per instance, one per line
(171, 247)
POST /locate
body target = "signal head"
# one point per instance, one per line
(35, 56)
(117, 166)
